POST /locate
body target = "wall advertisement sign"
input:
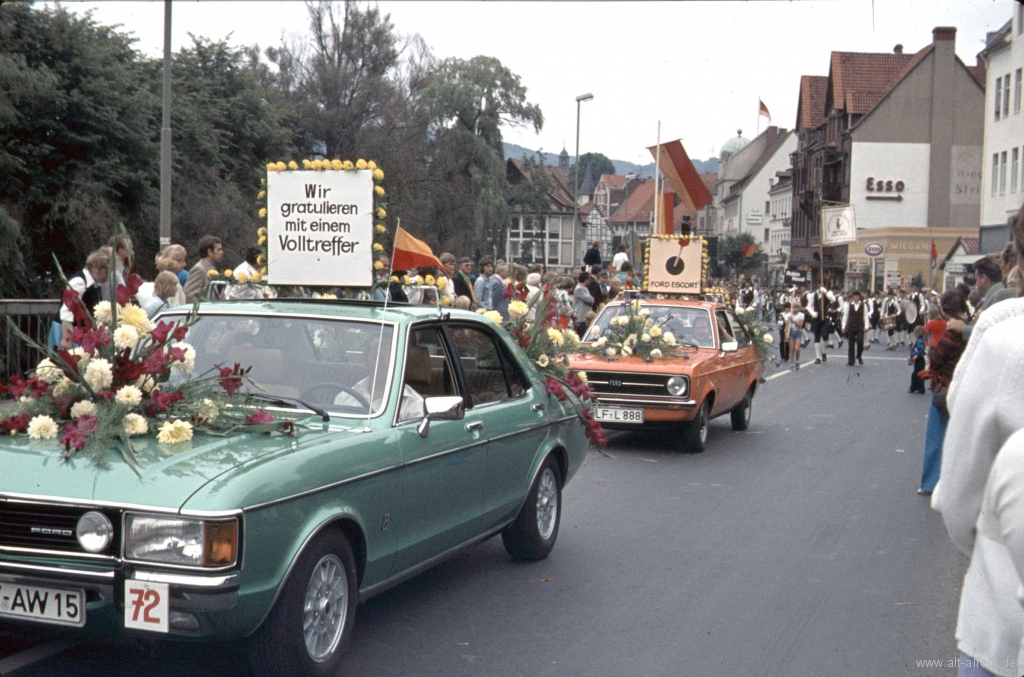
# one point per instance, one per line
(320, 228)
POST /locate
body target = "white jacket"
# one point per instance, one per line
(984, 402)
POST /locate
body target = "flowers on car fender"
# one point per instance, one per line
(133, 316)
(493, 315)
(656, 354)
(769, 339)
(102, 313)
(261, 416)
(126, 337)
(516, 309)
(83, 408)
(173, 432)
(129, 395)
(42, 428)
(47, 371)
(543, 361)
(555, 337)
(135, 425)
(655, 332)
(99, 374)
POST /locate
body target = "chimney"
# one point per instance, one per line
(944, 33)
(898, 49)
(943, 122)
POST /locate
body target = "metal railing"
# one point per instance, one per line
(33, 317)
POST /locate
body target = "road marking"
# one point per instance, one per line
(781, 373)
(33, 655)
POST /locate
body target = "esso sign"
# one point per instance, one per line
(873, 249)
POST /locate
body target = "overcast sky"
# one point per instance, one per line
(697, 66)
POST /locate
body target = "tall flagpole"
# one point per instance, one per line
(380, 337)
(657, 191)
(758, 115)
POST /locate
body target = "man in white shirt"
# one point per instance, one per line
(89, 283)
(621, 256)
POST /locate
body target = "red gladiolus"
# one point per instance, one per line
(159, 401)
(161, 331)
(126, 291)
(553, 387)
(156, 363)
(126, 370)
(261, 416)
(18, 387)
(90, 340)
(75, 433)
(180, 333)
(77, 308)
(16, 424)
(231, 384)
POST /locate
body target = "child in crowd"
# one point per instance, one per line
(917, 360)
(795, 324)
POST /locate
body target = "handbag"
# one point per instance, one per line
(940, 399)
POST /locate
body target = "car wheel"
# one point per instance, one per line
(741, 412)
(695, 432)
(532, 535)
(311, 622)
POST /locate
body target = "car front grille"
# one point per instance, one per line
(626, 383)
(36, 526)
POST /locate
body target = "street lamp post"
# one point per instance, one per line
(576, 171)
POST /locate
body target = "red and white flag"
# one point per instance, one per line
(935, 257)
(763, 110)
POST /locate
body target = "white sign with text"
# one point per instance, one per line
(320, 228)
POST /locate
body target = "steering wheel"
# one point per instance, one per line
(310, 393)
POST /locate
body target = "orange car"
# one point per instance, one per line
(716, 372)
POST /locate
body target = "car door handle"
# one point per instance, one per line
(474, 426)
(538, 407)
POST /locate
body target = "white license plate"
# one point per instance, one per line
(45, 605)
(619, 415)
(147, 606)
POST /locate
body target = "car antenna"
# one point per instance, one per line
(380, 338)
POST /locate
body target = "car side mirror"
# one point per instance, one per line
(447, 408)
(730, 346)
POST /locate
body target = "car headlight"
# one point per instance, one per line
(94, 531)
(181, 540)
(678, 386)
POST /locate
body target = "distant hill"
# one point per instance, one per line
(621, 166)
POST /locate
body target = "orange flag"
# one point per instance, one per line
(675, 164)
(412, 253)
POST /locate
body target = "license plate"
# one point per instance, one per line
(44, 605)
(619, 415)
(146, 605)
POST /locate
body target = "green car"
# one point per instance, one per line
(428, 434)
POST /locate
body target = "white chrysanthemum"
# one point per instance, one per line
(543, 361)
(135, 424)
(63, 387)
(129, 395)
(656, 354)
(655, 332)
(83, 408)
(645, 337)
(102, 313)
(600, 343)
(517, 309)
(645, 312)
(145, 383)
(627, 351)
(769, 339)
(208, 410)
(611, 352)
(42, 428)
(133, 316)
(47, 371)
(125, 337)
(98, 374)
(172, 432)
(669, 338)
(555, 337)
(189, 363)
(493, 315)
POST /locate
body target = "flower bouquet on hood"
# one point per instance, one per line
(634, 333)
(547, 341)
(126, 377)
(759, 331)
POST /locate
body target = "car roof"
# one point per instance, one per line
(331, 308)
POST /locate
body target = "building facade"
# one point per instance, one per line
(544, 237)
(900, 139)
(1003, 156)
(780, 198)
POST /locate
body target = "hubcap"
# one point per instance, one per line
(547, 503)
(704, 423)
(325, 608)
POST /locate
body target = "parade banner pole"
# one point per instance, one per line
(380, 337)
(657, 192)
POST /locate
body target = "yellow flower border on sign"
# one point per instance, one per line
(381, 238)
(703, 260)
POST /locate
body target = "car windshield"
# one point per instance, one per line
(689, 325)
(325, 363)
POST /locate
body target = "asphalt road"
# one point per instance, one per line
(799, 547)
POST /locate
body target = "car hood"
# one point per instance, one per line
(668, 365)
(167, 474)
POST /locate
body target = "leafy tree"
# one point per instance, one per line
(468, 102)
(75, 116)
(599, 164)
(730, 252)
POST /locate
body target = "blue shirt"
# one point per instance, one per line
(917, 350)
